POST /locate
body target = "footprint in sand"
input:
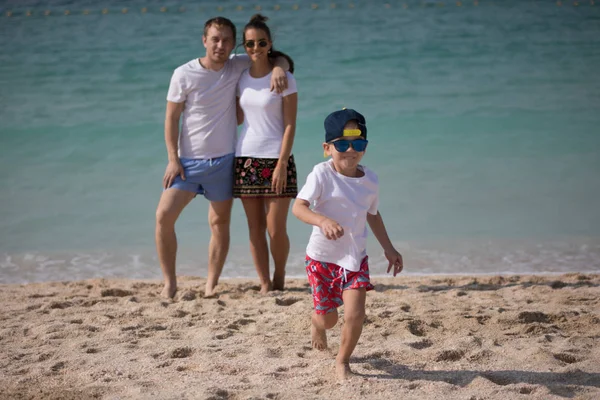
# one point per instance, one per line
(59, 304)
(286, 301)
(273, 353)
(421, 344)
(527, 317)
(181, 352)
(179, 314)
(115, 292)
(224, 335)
(566, 358)
(220, 394)
(188, 295)
(450, 355)
(416, 327)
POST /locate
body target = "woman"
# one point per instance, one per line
(265, 172)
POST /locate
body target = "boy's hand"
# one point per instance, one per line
(331, 229)
(395, 259)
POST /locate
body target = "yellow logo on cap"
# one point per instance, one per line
(352, 132)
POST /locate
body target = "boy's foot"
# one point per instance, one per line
(343, 371)
(168, 291)
(318, 338)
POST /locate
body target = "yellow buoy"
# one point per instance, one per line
(387, 5)
(314, 6)
(239, 8)
(295, 7)
(67, 12)
(28, 13)
(86, 12)
(47, 12)
(9, 13)
(181, 9)
(332, 5)
(105, 11)
(258, 8)
(458, 4)
(351, 5)
(276, 7)
(219, 9)
(124, 11)
(163, 9)
(144, 10)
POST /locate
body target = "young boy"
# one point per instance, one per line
(344, 196)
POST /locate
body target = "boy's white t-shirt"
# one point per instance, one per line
(262, 132)
(347, 201)
(208, 126)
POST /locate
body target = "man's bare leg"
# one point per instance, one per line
(171, 203)
(277, 213)
(319, 326)
(354, 317)
(257, 230)
(219, 217)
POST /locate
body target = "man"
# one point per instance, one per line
(202, 95)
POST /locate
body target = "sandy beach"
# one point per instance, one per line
(483, 337)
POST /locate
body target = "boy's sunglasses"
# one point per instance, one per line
(252, 43)
(343, 145)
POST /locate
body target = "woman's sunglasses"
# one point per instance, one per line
(343, 145)
(252, 43)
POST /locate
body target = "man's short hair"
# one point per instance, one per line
(220, 21)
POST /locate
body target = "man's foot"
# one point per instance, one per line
(279, 280)
(168, 291)
(343, 371)
(318, 338)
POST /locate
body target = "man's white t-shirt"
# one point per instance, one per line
(347, 201)
(208, 126)
(262, 132)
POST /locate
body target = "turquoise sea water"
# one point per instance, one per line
(483, 122)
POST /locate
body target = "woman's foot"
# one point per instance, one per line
(279, 280)
(266, 287)
(210, 291)
(169, 291)
(318, 338)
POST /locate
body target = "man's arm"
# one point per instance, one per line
(174, 167)
(281, 63)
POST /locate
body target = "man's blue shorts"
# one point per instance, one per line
(211, 177)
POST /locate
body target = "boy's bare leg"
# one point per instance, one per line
(277, 213)
(172, 202)
(354, 317)
(257, 230)
(219, 216)
(319, 326)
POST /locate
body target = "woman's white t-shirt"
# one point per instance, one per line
(347, 201)
(262, 132)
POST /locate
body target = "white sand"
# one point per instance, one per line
(511, 337)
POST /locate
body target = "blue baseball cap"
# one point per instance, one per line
(335, 122)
